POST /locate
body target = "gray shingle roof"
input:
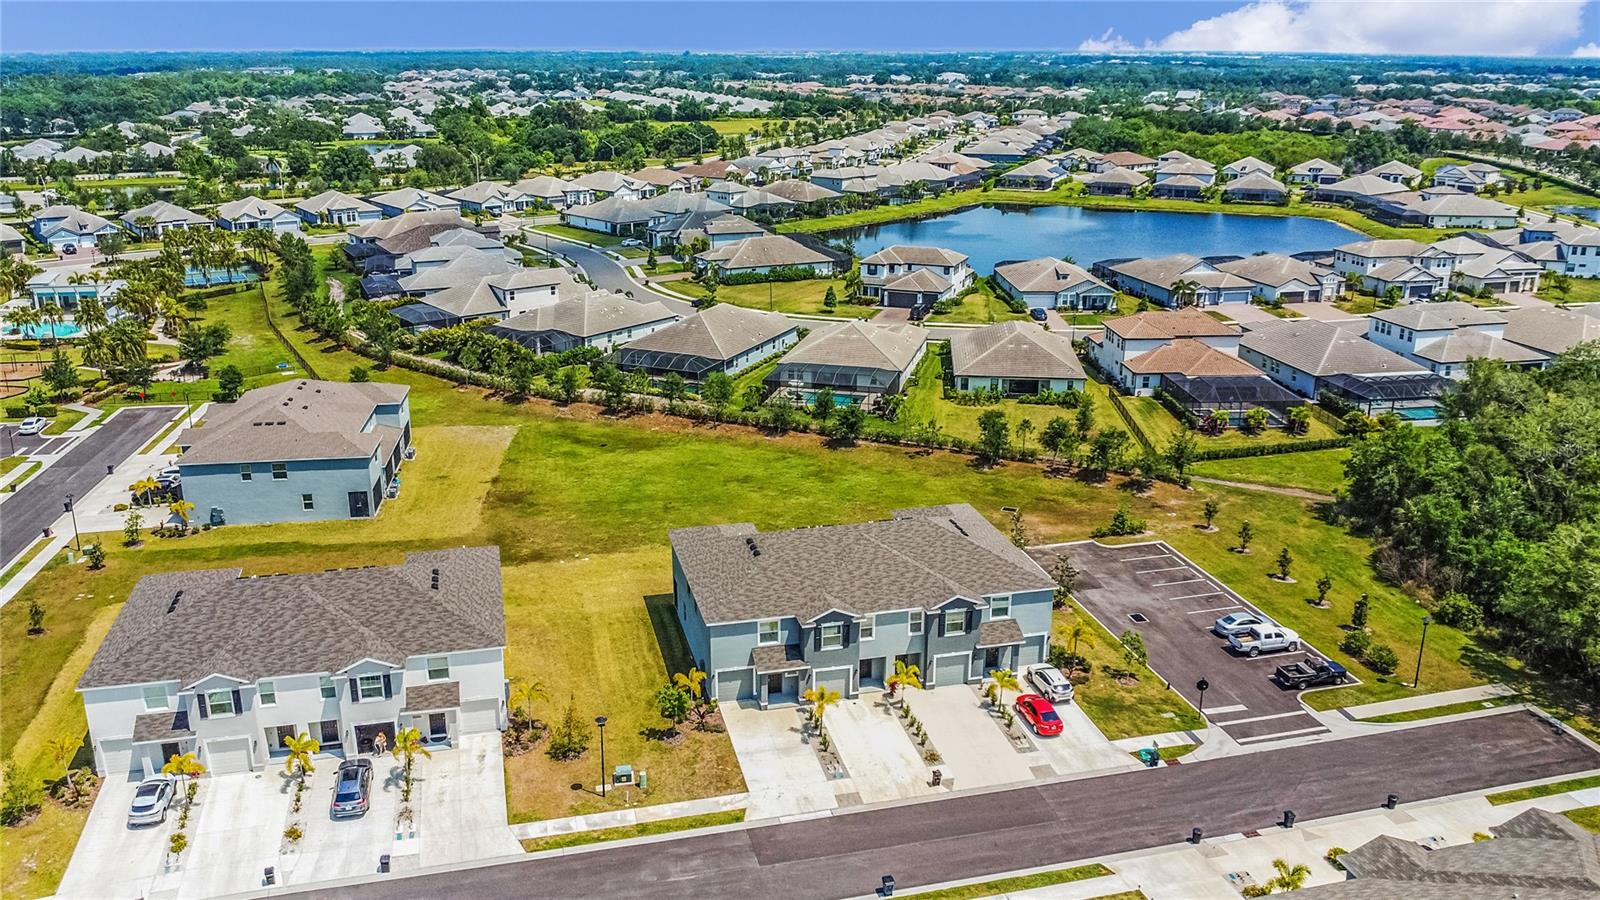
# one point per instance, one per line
(156, 727)
(889, 347)
(1013, 350)
(433, 697)
(1318, 348)
(1552, 330)
(595, 313)
(1047, 274)
(778, 658)
(185, 626)
(905, 254)
(768, 250)
(721, 332)
(300, 419)
(999, 633)
(1430, 316)
(333, 200)
(918, 559)
(1273, 268)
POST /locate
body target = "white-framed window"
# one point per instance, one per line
(915, 622)
(280, 471)
(267, 693)
(869, 627)
(767, 632)
(307, 501)
(220, 703)
(955, 621)
(155, 696)
(244, 472)
(1000, 607)
(329, 692)
(370, 687)
(833, 635)
(438, 668)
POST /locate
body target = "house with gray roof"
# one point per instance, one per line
(1314, 172)
(336, 208)
(413, 200)
(188, 666)
(908, 276)
(1301, 354)
(1051, 283)
(297, 451)
(721, 338)
(253, 212)
(496, 297)
(493, 198)
(600, 319)
(68, 226)
(153, 220)
(1014, 358)
(856, 360)
(1395, 171)
(763, 253)
(937, 587)
(1276, 277)
(1255, 187)
(1442, 337)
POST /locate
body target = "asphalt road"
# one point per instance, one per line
(1180, 602)
(606, 273)
(39, 502)
(982, 834)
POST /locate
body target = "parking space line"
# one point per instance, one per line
(1196, 612)
(1164, 569)
(1286, 715)
(1152, 556)
(1170, 583)
(1278, 736)
(1224, 710)
(1198, 596)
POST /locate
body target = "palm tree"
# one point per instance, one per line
(1004, 680)
(62, 750)
(906, 675)
(14, 274)
(146, 486)
(1185, 292)
(691, 681)
(1289, 878)
(24, 317)
(1080, 633)
(820, 697)
(147, 224)
(52, 313)
(181, 509)
(528, 694)
(407, 744)
(184, 766)
(300, 749)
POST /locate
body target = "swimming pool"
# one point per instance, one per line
(59, 331)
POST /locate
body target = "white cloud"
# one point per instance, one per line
(1502, 28)
(1109, 42)
(1589, 50)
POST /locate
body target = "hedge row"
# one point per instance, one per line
(1274, 449)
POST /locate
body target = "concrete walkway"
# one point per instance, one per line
(1266, 488)
(1428, 701)
(622, 817)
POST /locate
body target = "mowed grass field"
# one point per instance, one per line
(804, 297)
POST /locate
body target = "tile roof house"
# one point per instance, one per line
(1395, 171)
(600, 319)
(151, 221)
(854, 359)
(413, 200)
(1255, 187)
(1050, 283)
(937, 587)
(496, 297)
(1126, 339)
(1550, 330)
(1246, 166)
(336, 208)
(1442, 337)
(254, 212)
(721, 338)
(1176, 280)
(1314, 171)
(297, 451)
(362, 127)
(493, 198)
(763, 254)
(556, 192)
(1301, 353)
(909, 276)
(68, 226)
(1114, 181)
(1014, 358)
(1276, 277)
(351, 653)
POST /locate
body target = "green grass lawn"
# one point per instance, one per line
(726, 127)
(1314, 470)
(981, 307)
(804, 297)
(1449, 709)
(63, 419)
(1581, 290)
(1001, 886)
(623, 832)
(1588, 817)
(1544, 790)
(1357, 304)
(1172, 752)
(1119, 711)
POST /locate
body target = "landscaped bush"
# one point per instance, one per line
(1272, 449)
(1458, 611)
(1332, 856)
(1382, 659)
(1356, 643)
(19, 410)
(1122, 523)
(1047, 397)
(781, 273)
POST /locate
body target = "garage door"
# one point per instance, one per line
(478, 716)
(117, 757)
(838, 679)
(228, 756)
(948, 670)
(734, 685)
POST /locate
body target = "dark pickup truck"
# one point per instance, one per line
(1310, 672)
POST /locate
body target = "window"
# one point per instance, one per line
(438, 668)
(307, 501)
(267, 693)
(999, 607)
(155, 697)
(220, 703)
(244, 472)
(869, 626)
(370, 687)
(833, 636)
(280, 471)
(767, 632)
(916, 621)
(328, 690)
(955, 621)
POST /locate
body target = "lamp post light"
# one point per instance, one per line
(1416, 680)
(77, 538)
(601, 721)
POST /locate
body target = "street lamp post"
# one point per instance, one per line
(601, 721)
(76, 538)
(1416, 680)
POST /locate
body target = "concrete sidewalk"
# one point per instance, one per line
(622, 817)
(1428, 701)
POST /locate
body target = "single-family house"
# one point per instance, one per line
(1015, 359)
(1178, 280)
(493, 198)
(614, 184)
(763, 254)
(910, 276)
(362, 127)
(297, 451)
(1128, 338)
(856, 360)
(1038, 175)
(495, 297)
(1050, 283)
(252, 213)
(1314, 172)
(1255, 187)
(1463, 211)
(1114, 182)
(336, 208)
(351, 654)
(1123, 159)
(1301, 354)
(802, 192)
(1442, 337)
(1471, 177)
(1248, 165)
(722, 338)
(1415, 269)
(557, 193)
(1485, 267)
(939, 588)
(619, 215)
(11, 240)
(1275, 277)
(153, 220)
(413, 200)
(599, 319)
(1551, 330)
(67, 226)
(1395, 171)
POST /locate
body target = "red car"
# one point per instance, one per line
(1040, 715)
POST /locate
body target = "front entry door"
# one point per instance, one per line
(775, 683)
(359, 506)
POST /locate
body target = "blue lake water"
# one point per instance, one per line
(992, 234)
(1588, 212)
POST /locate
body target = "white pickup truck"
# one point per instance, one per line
(1264, 638)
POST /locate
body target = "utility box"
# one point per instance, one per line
(622, 774)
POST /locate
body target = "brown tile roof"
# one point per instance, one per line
(1162, 324)
(1186, 356)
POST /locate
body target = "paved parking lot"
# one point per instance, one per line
(1172, 603)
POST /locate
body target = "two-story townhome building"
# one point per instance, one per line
(1443, 337)
(1050, 283)
(1128, 339)
(938, 587)
(297, 451)
(253, 212)
(891, 276)
(227, 667)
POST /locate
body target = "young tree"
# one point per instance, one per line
(906, 675)
(301, 748)
(1246, 533)
(1358, 613)
(96, 555)
(717, 390)
(230, 384)
(1066, 577)
(408, 745)
(359, 374)
(130, 528)
(1133, 651)
(822, 404)
(1298, 419)
(1024, 431)
(1019, 531)
(60, 374)
(569, 739)
(1283, 563)
(1056, 436)
(830, 300)
(1180, 453)
(848, 423)
(35, 617)
(673, 704)
(820, 697)
(1107, 450)
(1083, 420)
(674, 388)
(1209, 511)
(569, 385)
(1004, 680)
(1324, 585)
(994, 435)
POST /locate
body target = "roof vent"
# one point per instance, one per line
(435, 585)
(174, 604)
(750, 542)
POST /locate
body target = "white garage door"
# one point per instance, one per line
(479, 715)
(734, 685)
(228, 756)
(948, 670)
(838, 679)
(117, 757)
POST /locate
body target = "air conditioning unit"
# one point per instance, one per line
(411, 453)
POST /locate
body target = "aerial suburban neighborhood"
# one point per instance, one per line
(709, 451)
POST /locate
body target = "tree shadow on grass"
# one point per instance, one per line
(669, 634)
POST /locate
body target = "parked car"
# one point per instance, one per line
(168, 478)
(69, 249)
(150, 801)
(1259, 639)
(1037, 314)
(33, 425)
(632, 242)
(352, 788)
(1310, 672)
(1050, 682)
(1040, 714)
(1237, 623)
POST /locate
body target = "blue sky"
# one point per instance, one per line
(1511, 27)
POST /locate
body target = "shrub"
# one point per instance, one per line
(120, 507)
(1122, 523)
(1356, 643)
(1382, 658)
(1458, 611)
(1332, 856)
(96, 555)
(179, 843)
(570, 739)
(293, 834)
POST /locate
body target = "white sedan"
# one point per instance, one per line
(1050, 682)
(33, 425)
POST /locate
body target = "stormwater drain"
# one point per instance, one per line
(1137, 618)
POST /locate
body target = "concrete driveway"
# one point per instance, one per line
(234, 833)
(975, 752)
(781, 772)
(461, 797)
(111, 859)
(884, 764)
(341, 848)
(1080, 748)
(1244, 312)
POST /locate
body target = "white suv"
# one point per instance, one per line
(1050, 682)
